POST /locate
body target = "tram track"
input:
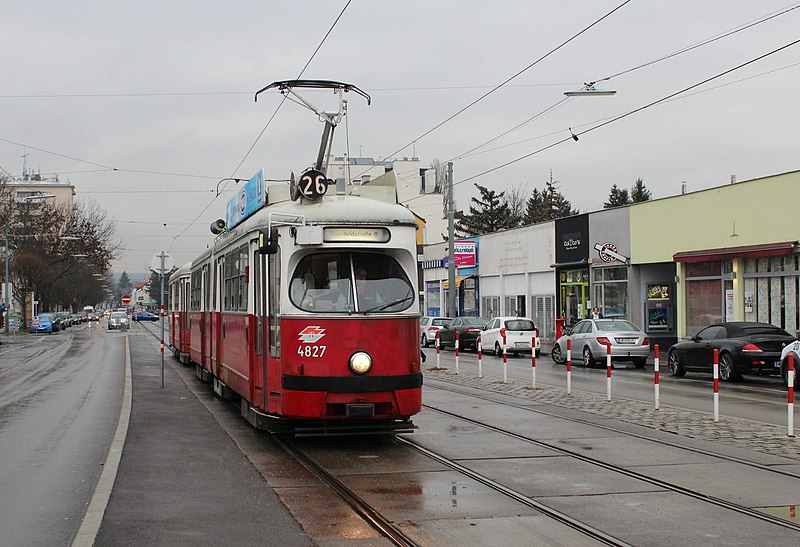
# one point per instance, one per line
(719, 502)
(733, 459)
(366, 511)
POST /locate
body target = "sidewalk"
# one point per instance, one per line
(181, 479)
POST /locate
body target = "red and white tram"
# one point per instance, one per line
(179, 335)
(306, 310)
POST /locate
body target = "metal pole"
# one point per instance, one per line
(162, 317)
(451, 252)
(5, 292)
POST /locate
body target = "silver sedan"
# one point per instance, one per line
(591, 337)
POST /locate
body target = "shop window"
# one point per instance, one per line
(490, 306)
(772, 291)
(610, 292)
(510, 305)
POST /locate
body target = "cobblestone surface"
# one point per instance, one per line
(735, 432)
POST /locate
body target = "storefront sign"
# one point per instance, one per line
(729, 305)
(608, 252)
(572, 239)
(464, 253)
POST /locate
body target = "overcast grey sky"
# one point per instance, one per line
(159, 89)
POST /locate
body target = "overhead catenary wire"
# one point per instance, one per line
(679, 98)
(507, 80)
(629, 113)
(616, 118)
(676, 53)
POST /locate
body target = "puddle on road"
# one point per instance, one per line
(786, 512)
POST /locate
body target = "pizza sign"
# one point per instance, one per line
(608, 252)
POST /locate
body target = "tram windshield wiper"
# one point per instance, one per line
(382, 307)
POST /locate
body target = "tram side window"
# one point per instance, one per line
(227, 281)
(351, 282)
(243, 274)
(234, 273)
(206, 289)
(194, 291)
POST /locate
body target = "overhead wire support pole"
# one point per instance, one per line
(7, 316)
(451, 266)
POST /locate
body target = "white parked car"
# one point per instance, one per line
(519, 331)
(428, 327)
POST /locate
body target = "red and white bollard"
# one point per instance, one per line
(569, 366)
(655, 377)
(533, 362)
(457, 371)
(716, 385)
(438, 364)
(790, 381)
(505, 360)
(161, 314)
(608, 371)
(480, 357)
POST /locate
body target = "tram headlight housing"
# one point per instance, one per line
(360, 362)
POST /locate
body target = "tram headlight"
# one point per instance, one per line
(360, 362)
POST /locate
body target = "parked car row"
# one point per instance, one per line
(515, 334)
(742, 347)
(54, 321)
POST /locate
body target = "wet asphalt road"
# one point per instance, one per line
(59, 405)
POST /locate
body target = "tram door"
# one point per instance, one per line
(273, 329)
(259, 330)
(216, 317)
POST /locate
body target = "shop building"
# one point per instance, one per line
(436, 282)
(516, 277)
(727, 253)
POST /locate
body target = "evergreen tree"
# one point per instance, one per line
(488, 214)
(124, 281)
(154, 287)
(547, 204)
(639, 192)
(617, 197)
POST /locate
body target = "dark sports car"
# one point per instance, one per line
(468, 329)
(744, 348)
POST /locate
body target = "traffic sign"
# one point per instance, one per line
(126, 300)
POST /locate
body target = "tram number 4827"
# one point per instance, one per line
(311, 351)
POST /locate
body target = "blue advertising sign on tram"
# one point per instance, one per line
(247, 200)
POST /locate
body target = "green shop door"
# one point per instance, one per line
(574, 291)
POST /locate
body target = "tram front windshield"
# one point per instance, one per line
(350, 282)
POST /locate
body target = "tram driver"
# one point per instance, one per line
(367, 290)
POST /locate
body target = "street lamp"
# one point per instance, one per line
(588, 90)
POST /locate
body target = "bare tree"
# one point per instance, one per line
(517, 199)
(56, 250)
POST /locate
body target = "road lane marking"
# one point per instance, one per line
(102, 491)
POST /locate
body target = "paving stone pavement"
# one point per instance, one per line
(735, 432)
